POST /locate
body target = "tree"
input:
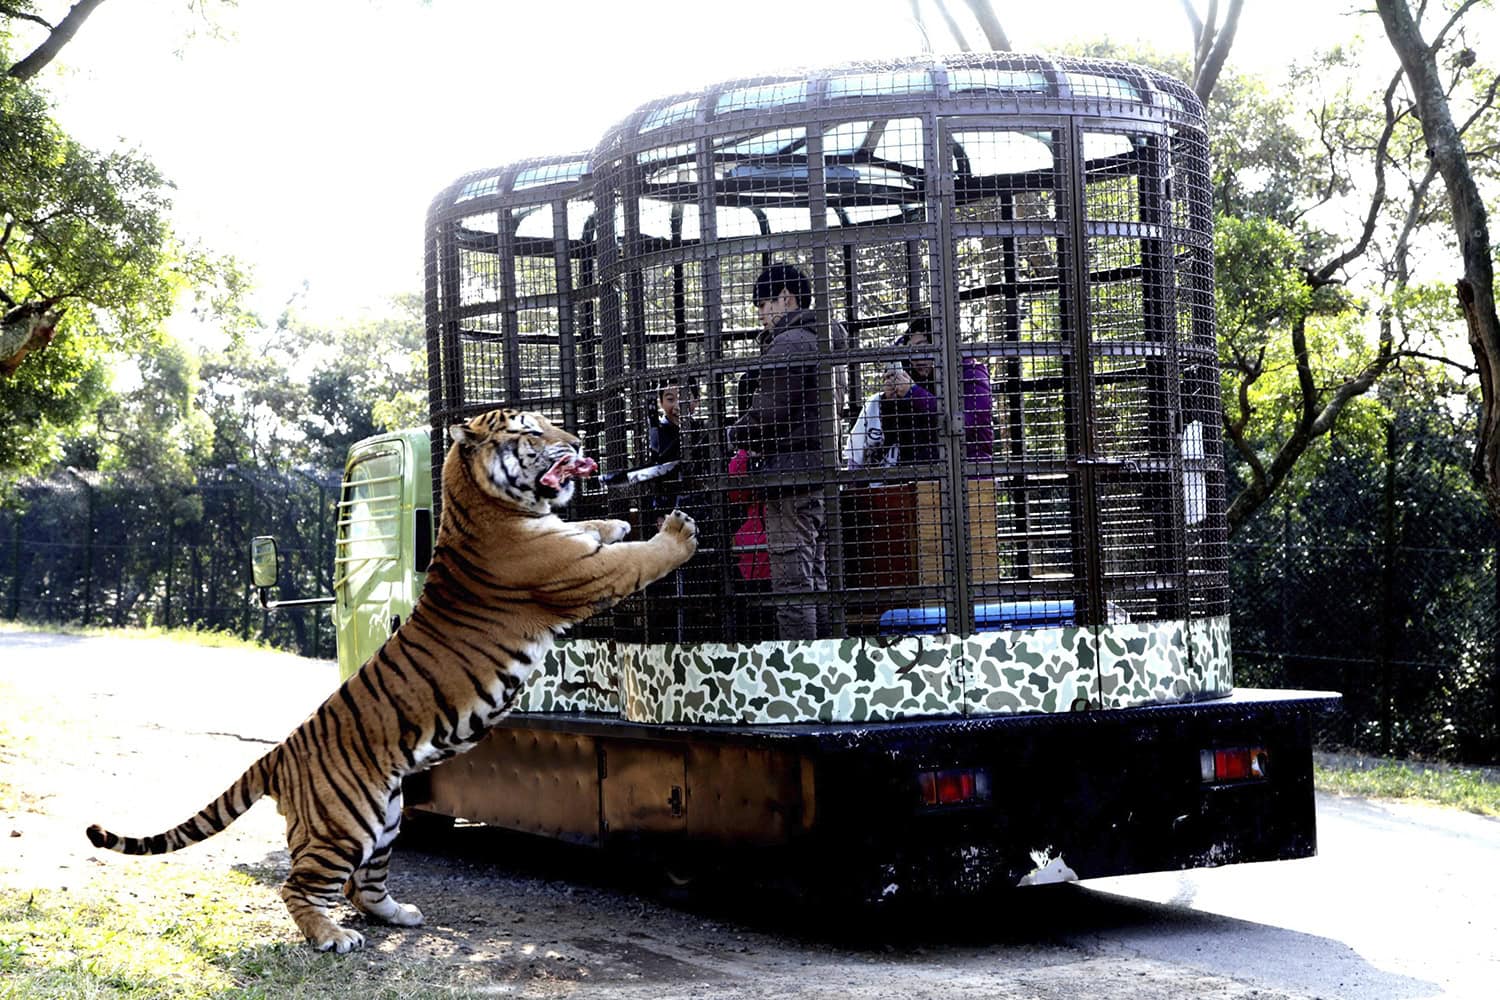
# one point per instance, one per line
(1351, 179)
(156, 428)
(89, 269)
(1320, 162)
(302, 393)
(57, 35)
(1211, 43)
(371, 376)
(1211, 39)
(1377, 579)
(1446, 147)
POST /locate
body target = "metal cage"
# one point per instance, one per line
(1014, 253)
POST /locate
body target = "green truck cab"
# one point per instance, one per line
(384, 541)
(382, 547)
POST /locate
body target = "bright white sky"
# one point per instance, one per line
(309, 141)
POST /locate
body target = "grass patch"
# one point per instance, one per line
(198, 637)
(188, 934)
(1462, 788)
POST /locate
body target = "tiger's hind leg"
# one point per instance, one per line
(366, 886)
(312, 888)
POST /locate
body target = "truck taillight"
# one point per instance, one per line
(953, 787)
(1233, 764)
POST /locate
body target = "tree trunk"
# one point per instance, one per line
(1476, 291)
(52, 45)
(994, 33)
(1211, 44)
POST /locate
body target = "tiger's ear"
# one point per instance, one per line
(458, 433)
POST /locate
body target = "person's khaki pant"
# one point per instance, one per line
(796, 541)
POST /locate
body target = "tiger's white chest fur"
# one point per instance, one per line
(530, 660)
(467, 732)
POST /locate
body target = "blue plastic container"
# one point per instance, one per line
(987, 617)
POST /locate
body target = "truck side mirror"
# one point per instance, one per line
(263, 561)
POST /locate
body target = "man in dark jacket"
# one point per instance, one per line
(785, 427)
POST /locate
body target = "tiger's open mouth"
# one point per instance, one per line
(568, 467)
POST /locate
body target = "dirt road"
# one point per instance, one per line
(138, 733)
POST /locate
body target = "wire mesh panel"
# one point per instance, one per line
(510, 293)
(1015, 326)
(925, 347)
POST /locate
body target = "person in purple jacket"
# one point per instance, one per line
(909, 417)
(979, 398)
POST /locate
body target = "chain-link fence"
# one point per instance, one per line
(1407, 634)
(122, 549)
(1382, 583)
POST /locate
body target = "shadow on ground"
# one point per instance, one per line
(484, 891)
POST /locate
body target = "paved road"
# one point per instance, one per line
(1401, 903)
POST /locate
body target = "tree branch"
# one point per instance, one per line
(952, 24)
(1468, 370)
(1195, 21)
(1441, 37)
(1361, 383)
(1203, 38)
(1484, 105)
(1324, 275)
(921, 23)
(1236, 430)
(1333, 176)
(1476, 292)
(1313, 420)
(994, 34)
(7, 10)
(54, 42)
(1206, 75)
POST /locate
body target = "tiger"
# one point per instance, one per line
(507, 577)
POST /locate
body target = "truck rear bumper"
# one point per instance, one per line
(1083, 795)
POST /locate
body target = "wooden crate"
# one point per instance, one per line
(932, 521)
(880, 543)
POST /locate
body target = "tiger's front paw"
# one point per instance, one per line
(681, 529)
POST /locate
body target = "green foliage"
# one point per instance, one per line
(302, 393)
(1376, 578)
(1260, 283)
(1260, 162)
(1462, 788)
(50, 395)
(85, 232)
(1261, 290)
(375, 368)
(156, 428)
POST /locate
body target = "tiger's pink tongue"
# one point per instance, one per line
(569, 468)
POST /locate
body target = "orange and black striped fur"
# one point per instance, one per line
(507, 576)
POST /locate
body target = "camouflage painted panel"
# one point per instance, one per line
(575, 677)
(1213, 662)
(1142, 664)
(826, 680)
(1028, 670)
(853, 680)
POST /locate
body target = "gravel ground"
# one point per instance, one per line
(137, 733)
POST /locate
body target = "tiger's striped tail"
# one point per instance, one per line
(211, 819)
